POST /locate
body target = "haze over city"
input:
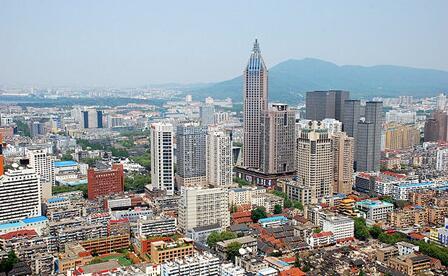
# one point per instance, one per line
(110, 43)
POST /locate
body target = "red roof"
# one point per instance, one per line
(19, 233)
(323, 234)
(416, 236)
(295, 271)
(241, 214)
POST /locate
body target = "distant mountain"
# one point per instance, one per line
(289, 80)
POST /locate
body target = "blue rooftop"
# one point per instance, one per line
(35, 219)
(12, 225)
(373, 203)
(56, 199)
(60, 164)
(271, 219)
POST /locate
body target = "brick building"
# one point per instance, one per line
(105, 182)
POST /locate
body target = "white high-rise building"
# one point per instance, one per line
(255, 97)
(442, 160)
(203, 207)
(315, 160)
(19, 195)
(43, 164)
(219, 158)
(162, 157)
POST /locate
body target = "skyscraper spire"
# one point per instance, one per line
(255, 95)
(256, 48)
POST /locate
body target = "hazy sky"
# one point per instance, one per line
(145, 42)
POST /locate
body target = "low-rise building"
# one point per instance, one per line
(159, 226)
(375, 209)
(200, 234)
(321, 239)
(162, 251)
(342, 227)
(410, 264)
(246, 242)
(198, 264)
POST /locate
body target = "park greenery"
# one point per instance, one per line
(136, 182)
(64, 189)
(233, 250)
(216, 237)
(288, 203)
(258, 213)
(241, 182)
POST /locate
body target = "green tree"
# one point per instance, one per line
(297, 205)
(233, 250)
(241, 182)
(317, 230)
(375, 231)
(258, 213)
(278, 209)
(227, 235)
(287, 203)
(67, 157)
(361, 230)
(213, 239)
(297, 262)
(7, 263)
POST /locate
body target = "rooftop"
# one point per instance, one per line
(56, 199)
(59, 164)
(272, 219)
(374, 203)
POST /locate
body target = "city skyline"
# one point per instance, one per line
(94, 44)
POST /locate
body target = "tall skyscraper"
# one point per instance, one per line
(91, 118)
(162, 157)
(343, 148)
(219, 158)
(191, 153)
(278, 140)
(255, 99)
(351, 116)
(2, 165)
(203, 207)
(19, 195)
(43, 164)
(315, 160)
(325, 104)
(206, 114)
(368, 143)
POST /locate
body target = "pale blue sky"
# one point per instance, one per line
(127, 43)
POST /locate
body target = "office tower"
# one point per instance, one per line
(431, 131)
(206, 114)
(398, 137)
(191, 153)
(278, 140)
(438, 126)
(19, 195)
(368, 143)
(441, 102)
(365, 147)
(343, 148)
(105, 182)
(339, 107)
(325, 104)
(162, 157)
(92, 118)
(37, 128)
(202, 207)
(315, 160)
(255, 97)
(219, 158)
(351, 116)
(43, 164)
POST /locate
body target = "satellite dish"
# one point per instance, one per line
(15, 165)
(249, 250)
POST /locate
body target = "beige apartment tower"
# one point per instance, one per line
(278, 140)
(343, 149)
(315, 160)
(219, 165)
(255, 98)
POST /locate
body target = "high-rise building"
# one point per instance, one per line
(219, 158)
(2, 165)
(351, 116)
(206, 114)
(255, 98)
(315, 160)
(343, 148)
(436, 128)
(19, 195)
(162, 157)
(368, 143)
(203, 207)
(105, 182)
(191, 153)
(278, 140)
(91, 118)
(326, 104)
(43, 164)
(398, 137)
